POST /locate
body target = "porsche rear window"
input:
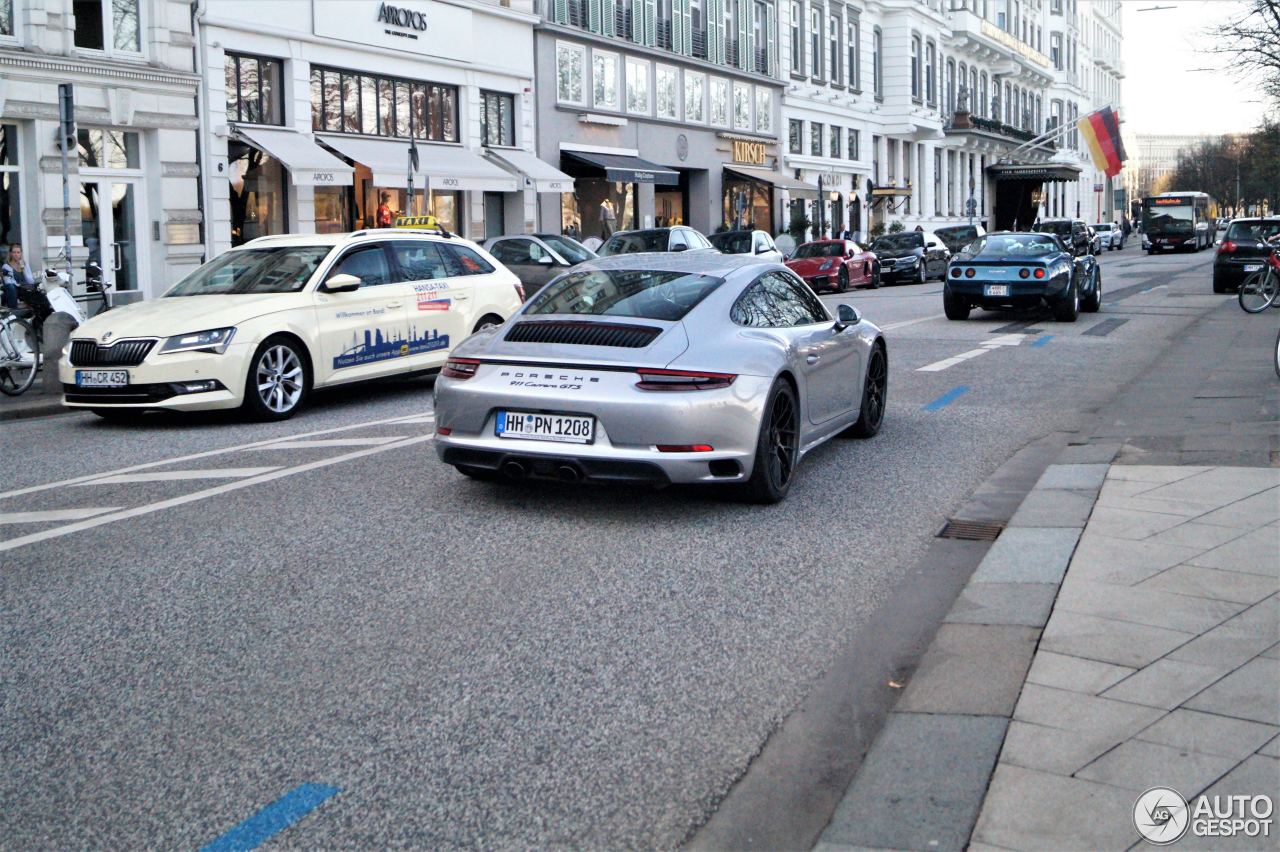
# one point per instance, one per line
(655, 295)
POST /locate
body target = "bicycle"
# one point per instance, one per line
(1261, 289)
(19, 354)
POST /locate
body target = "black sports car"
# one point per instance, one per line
(1008, 270)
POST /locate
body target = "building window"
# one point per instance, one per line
(854, 62)
(720, 101)
(6, 18)
(637, 86)
(570, 62)
(604, 80)
(855, 143)
(667, 103)
(931, 73)
(837, 141)
(1055, 50)
(764, 110)
(258, 193)
(380, 106)
(110, 25)
(795, 136)
(797, 38)
(833, 48)
(915, 67)
(497, 119)
(742, 107)
(815, 139)
(10, 177)
(937, 181)
(254, 93)
(105, 149)
(877, 62)
(815, 40)
(695, 96)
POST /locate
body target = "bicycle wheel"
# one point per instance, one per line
(1277, 353)
(19, 357)
(1259, 290)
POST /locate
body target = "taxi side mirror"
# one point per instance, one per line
(341, 283)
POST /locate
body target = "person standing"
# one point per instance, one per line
(608, 219)
(14, 273)
(385, 215)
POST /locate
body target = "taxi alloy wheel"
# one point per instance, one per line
(278, 380)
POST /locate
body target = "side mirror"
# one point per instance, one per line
(544, 260)
(341, 283)
(846, 315)
(931, 244)
(762, 249)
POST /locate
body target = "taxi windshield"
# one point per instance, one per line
(283, 269)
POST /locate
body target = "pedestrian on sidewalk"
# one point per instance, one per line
(14, 273)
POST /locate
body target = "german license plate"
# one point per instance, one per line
(1252, 267)
(995, 290)
(565, 428)
(102, 378)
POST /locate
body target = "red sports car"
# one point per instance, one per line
(835, 265)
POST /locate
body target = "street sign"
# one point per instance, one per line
(971, 206)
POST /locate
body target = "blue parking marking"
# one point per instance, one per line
(947, 398)
(273, 819)
(1041, 341)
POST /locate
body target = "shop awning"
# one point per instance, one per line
(1035, 171)
(443, 166)
(781, 180)
(308, 163)
(625, 168)
(542, 176)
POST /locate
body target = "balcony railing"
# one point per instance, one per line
(731, 51)
(699, 45)
(664, 35)
(622, 22)
(577, 10)
(960, 121)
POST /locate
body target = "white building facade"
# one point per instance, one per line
(135, 204)
(308, 109)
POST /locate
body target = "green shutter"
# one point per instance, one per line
(715, 30)
(638, 22)
(771, 39)
(682, 27)
(745, 11)
(560, 11)
(594, 15)
(650, 22)
(610, 9)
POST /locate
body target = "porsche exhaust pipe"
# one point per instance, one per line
(514, 470)
(569, 473)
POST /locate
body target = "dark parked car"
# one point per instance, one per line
(1010, 270)
(1242, 252)
(537, 258)
(914, 256)
(835, 265)
(1074, 231)
(757, 243)
(956, 237)
(678, 238)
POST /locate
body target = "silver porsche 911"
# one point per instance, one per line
(662, 368)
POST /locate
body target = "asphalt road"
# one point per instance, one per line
(470, 664)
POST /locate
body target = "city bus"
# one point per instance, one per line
(1178, 220)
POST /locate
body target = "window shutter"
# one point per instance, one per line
(771, 40)
(650, 22)
(715, 31)
(560, 11)
(745, 34)
(682, 27)
(610, 9)
(594, 14)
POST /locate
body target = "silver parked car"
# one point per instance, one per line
(661, 368)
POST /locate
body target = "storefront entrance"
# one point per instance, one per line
(748, 203)
(605, 193)
(109, 218)
(259, 193)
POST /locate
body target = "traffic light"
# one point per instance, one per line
(66, 118)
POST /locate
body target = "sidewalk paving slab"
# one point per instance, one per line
(1028, 555)
(1209, 733)
(1247, 693)
(1109, 640)
(1075, 673)
(971, 669)
(1025, 604)
(1134, 764)
(1026, 809)
(1201, 582)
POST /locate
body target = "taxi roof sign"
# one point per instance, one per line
(416, 222)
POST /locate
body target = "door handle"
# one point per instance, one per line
(460, 297)
(117, 251)
(812, 359)
(394, 304)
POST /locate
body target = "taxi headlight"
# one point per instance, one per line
(214, 340)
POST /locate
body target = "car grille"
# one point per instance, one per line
(583, 334)
(122, 353)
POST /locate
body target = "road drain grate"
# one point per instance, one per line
(971, 530)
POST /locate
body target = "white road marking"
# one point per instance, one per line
(55, 515)
(179, 475)
(1005, 340)
(428, 419)
(329, 442)
(32, 489)
(225, 488)
(946, 363)
(896, 325)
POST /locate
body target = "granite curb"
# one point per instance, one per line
(926, 776)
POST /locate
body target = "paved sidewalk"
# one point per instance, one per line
(1159, 667)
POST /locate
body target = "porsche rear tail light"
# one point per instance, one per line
(1227, 247)
(460, 368)
(685, 448)
(682, 380)
(969, 273)
(1039, 273)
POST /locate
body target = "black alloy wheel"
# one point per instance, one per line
(1093, 302)
(778, 447)
(843, 279)
(875, 395)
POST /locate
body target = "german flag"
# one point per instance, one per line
(1101, 131)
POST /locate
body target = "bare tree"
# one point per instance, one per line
(1251, 38)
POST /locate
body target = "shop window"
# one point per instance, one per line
(719, 101)
(107, 149)
(333, 209)
(742, 107)
(109, 25)
(447, 208)
(497, 119)
(637, 86)
(6, 18)
(570, 62)
(10, 195)
(345, 102)
(815, 139)
(258, 196)
(764, 110)
(254, 92)
(747, 203)
(604, 80)
(666, 90)
(695, 87)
